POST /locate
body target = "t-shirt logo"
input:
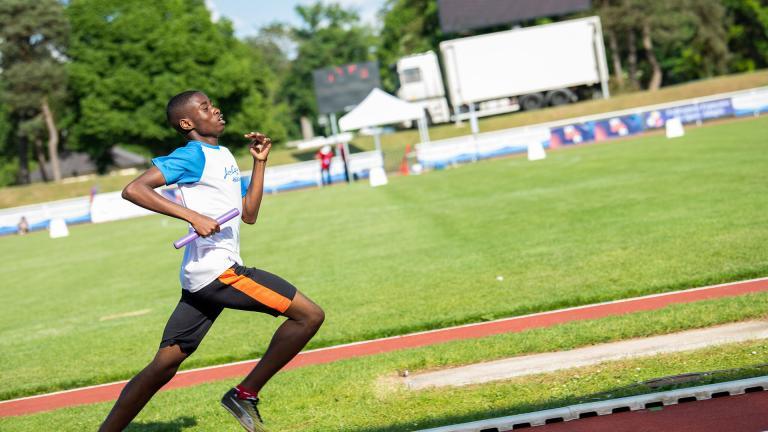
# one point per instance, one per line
(233, 172)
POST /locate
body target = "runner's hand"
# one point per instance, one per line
(259, 146)
(205, 226)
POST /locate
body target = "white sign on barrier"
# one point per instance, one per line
(674, 128)
(377, 177)
(58, 228)
(536, 151)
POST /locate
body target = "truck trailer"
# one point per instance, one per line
(524, 68)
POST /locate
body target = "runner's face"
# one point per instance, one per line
(208, 119)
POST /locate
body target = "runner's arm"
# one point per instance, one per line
(259, 149)
(141, 191)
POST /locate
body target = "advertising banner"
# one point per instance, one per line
(617, 127)
(690, 113)
(577, 133)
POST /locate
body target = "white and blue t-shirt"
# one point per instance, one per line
(210, 184)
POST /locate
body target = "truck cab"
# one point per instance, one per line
(422, 83)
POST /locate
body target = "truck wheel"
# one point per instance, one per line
(560, 97)
(532, 101)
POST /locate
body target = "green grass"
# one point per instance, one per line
(364, 395)
(588, 224)
(393, 145)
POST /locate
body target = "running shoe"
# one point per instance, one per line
(246, 411)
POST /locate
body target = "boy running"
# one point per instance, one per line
(212, 273)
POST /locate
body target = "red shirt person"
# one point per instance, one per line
(325, 155)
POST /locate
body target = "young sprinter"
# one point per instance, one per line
(212, 273)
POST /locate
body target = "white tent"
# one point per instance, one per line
(380, 108)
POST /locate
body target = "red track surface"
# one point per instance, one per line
(107, 392)
(742, 413)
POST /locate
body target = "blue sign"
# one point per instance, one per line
(690, 113)
(616, 127)
(573, 134)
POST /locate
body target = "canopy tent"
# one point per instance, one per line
(380, 108)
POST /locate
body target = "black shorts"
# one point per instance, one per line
(239, 287)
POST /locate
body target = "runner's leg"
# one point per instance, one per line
(304, 319)
(142, 387)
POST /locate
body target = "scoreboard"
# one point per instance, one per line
(462, 15)
(340, 87)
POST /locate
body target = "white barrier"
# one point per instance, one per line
(751, 103)
(38, 216)
(437, 154)
(307, 174)
(111, 206)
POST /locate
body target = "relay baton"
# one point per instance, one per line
(178, 244)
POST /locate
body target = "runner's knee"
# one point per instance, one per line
(315, 316)
(168, 360)
(303, 310)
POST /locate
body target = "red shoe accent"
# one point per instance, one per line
(244, 393)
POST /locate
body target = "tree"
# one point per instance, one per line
(328, 36)
(33, 43)
(130, 56)
(680, 40)
(409, 27)
(747, 34)
(8, 168)
(273, 45)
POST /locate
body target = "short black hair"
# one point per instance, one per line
(176, 108)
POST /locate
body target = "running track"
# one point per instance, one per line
(742, 413)
(108, 392)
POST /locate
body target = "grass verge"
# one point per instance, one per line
(349, 395)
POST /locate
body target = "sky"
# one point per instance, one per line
(249, 15)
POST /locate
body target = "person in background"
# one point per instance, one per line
(23, 226)
(325, 155)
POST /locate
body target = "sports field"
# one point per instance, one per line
(589, 224)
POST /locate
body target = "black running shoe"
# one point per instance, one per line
(246, 411)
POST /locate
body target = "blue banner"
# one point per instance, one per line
(573, 134)
(690, 113)
(616, 127)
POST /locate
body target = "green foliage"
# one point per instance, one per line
(33, 38)
(271, 46)
(8, 163)
(688, 36)
(328, 36)
(130, 57)
(747, 34)
(410, 27)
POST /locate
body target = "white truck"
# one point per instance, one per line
(525, 68)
